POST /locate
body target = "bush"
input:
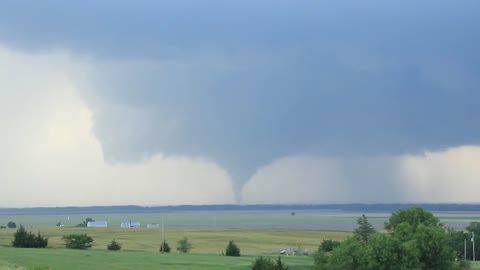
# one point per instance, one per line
(77, 241)
(183, 245)
(262, 263)
(164, 247)
(114, 245)
(321, 260)
(232, 250)
(329, 245)
(24, 239)
(40, 242)
(11, 225)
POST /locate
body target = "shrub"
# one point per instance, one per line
(114, 245)
(24, 239)
(40, 242)
(164, 247)
(183, 245)
(78, 241)
(262, 263)
(232, 250)
(329, 245)
(321, 260)
(11, 225)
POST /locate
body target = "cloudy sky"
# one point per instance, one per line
(209, 102)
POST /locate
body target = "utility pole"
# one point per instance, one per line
(163, 236)
(473, 245)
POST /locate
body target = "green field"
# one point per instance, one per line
(140, 248)
(98, 259)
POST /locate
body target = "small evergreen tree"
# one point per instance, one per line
(114, 246)
(183, 245)
(263, 263)
(40, 242)
(24, 239)
(78, 241)
(232, 250)
(21, 238)
(164, 247)
(11, 225)
(279, 265)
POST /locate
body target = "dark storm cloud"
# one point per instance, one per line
(246, 82)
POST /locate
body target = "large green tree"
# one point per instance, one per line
(414, 216)
(350, 255)
(321, 260)
(428, 234)
(457, 240)
(364, 229)
(386, 252)
(415, 239)
(475, 228)
(433, 248)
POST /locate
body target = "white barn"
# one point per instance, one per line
(97, 224)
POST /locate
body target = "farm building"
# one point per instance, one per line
(130, 224)
(97, 224)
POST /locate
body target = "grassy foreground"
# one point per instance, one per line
(140, 248)
(43, 259)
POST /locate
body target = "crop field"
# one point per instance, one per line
(251, 241)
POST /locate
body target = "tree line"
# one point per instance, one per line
(414, 240)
